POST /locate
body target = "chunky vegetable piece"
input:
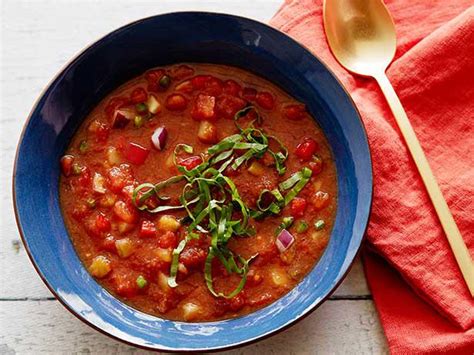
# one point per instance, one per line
(198, 192)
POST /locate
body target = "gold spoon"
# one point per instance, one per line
(361, 35)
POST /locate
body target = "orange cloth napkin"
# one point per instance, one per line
(433, 74)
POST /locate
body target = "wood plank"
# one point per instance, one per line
(337, 327)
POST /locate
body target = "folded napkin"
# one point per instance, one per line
(423, 302)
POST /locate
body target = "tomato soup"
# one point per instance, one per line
(199, 192)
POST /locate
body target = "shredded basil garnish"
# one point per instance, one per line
(212, 201)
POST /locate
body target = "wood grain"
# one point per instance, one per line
(37, 38)
(337, 327)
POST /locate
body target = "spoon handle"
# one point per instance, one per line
(460, 251)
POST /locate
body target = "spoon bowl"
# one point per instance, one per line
(361, 34)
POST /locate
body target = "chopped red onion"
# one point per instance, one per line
(284, 240)
(159, 138)
(121, 117)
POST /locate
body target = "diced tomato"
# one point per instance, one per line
(114, 104)
(316, 165)
(320, 200)
(207, 132)
(138, 96)
(147, 229)
(135, 153)
(249, 94)
(230, 171)
(261, 299)
(119, 177)
(208, 84)
(231, 87)
(191, 162)
(221, 306)
(85, 179)
(182, 71)
(193, 257)
(168, 240)
(253, 278)
(306, 149)
(109, 243)
(265, 100)
(298, 207)
(200, 80)
(153, 78)
(213, 87)
(266, 255)
(294, 112)
(80, 211)
(125, 284)
(186, 87)
(66, 164)
(237, 303)
(176, 102)
(102, 223)
(203, 108)
(102, 133)
(125, 212)
(227, 106)
(90, 227)
(100, 129)
(127, 193)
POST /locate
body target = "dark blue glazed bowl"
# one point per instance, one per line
(128, 52)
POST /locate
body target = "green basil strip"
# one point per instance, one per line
(222, 156)
(210, 198)
(181, 147)
(225, 144)
(304, 178)
(292, 180)
(163, 184)
(225, 165)
(243, 158)
(175, 263)
(153, 190)
(255, 146)
(208, 275)
(170, 208)
(242, 113)
(277, 196)
(150, 192)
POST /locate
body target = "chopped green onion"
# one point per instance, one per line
(141, 108)
(138, 121)
(302, 227)
(165, 81)
(91, 202)
(141, 281)
(83, 146)
(76, 169)
(319, 224)
(286, 223)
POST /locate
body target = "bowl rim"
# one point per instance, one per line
(291, 322)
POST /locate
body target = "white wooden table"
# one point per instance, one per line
(37, 39)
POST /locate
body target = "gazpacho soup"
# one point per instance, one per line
(199, 192)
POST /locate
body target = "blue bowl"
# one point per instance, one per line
(126, 53)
